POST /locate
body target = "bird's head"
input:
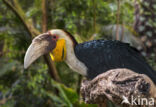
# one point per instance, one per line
(54, 42)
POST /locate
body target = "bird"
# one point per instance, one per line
(90, 58)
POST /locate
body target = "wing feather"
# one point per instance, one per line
(102, 55)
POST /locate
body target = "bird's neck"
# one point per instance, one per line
(73, 62)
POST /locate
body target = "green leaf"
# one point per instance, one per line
(7, 67)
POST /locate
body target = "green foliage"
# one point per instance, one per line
(34, 86)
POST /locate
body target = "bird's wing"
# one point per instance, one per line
(102, 55)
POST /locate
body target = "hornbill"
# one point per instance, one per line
(89, 58)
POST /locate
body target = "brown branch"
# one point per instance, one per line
(114, 84)
(52, 69)
(118, 19)
(136, 14)
(1, 47)
(50, 63)
(29, 24)
(122, 32)
(79, 84)
(17, 10)
(94, 18)
(44, 16)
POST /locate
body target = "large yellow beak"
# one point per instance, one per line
(40, 45)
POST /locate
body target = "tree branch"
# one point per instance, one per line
(15, 11)
(50, 63)
(18, 11)
(116, 84)
(94, 17)
(118, 19)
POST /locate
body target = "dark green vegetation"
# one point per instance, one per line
(21, 20)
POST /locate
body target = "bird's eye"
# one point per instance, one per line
(54, 37)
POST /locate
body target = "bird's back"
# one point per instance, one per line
(102, 55)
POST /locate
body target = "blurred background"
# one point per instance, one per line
(55, 85)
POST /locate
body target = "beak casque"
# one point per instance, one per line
(40, 45)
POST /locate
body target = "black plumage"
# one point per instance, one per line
(102, 55)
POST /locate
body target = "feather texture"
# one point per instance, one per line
(102, 55)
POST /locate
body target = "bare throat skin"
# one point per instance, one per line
(65, 52)
(59, 53)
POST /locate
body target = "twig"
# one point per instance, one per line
(44, 16)
(122, 32)
(94, 18)
(17, 10)
(14, 10)
(118, 19)
(50, 63)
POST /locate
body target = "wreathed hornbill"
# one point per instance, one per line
(89, 58)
